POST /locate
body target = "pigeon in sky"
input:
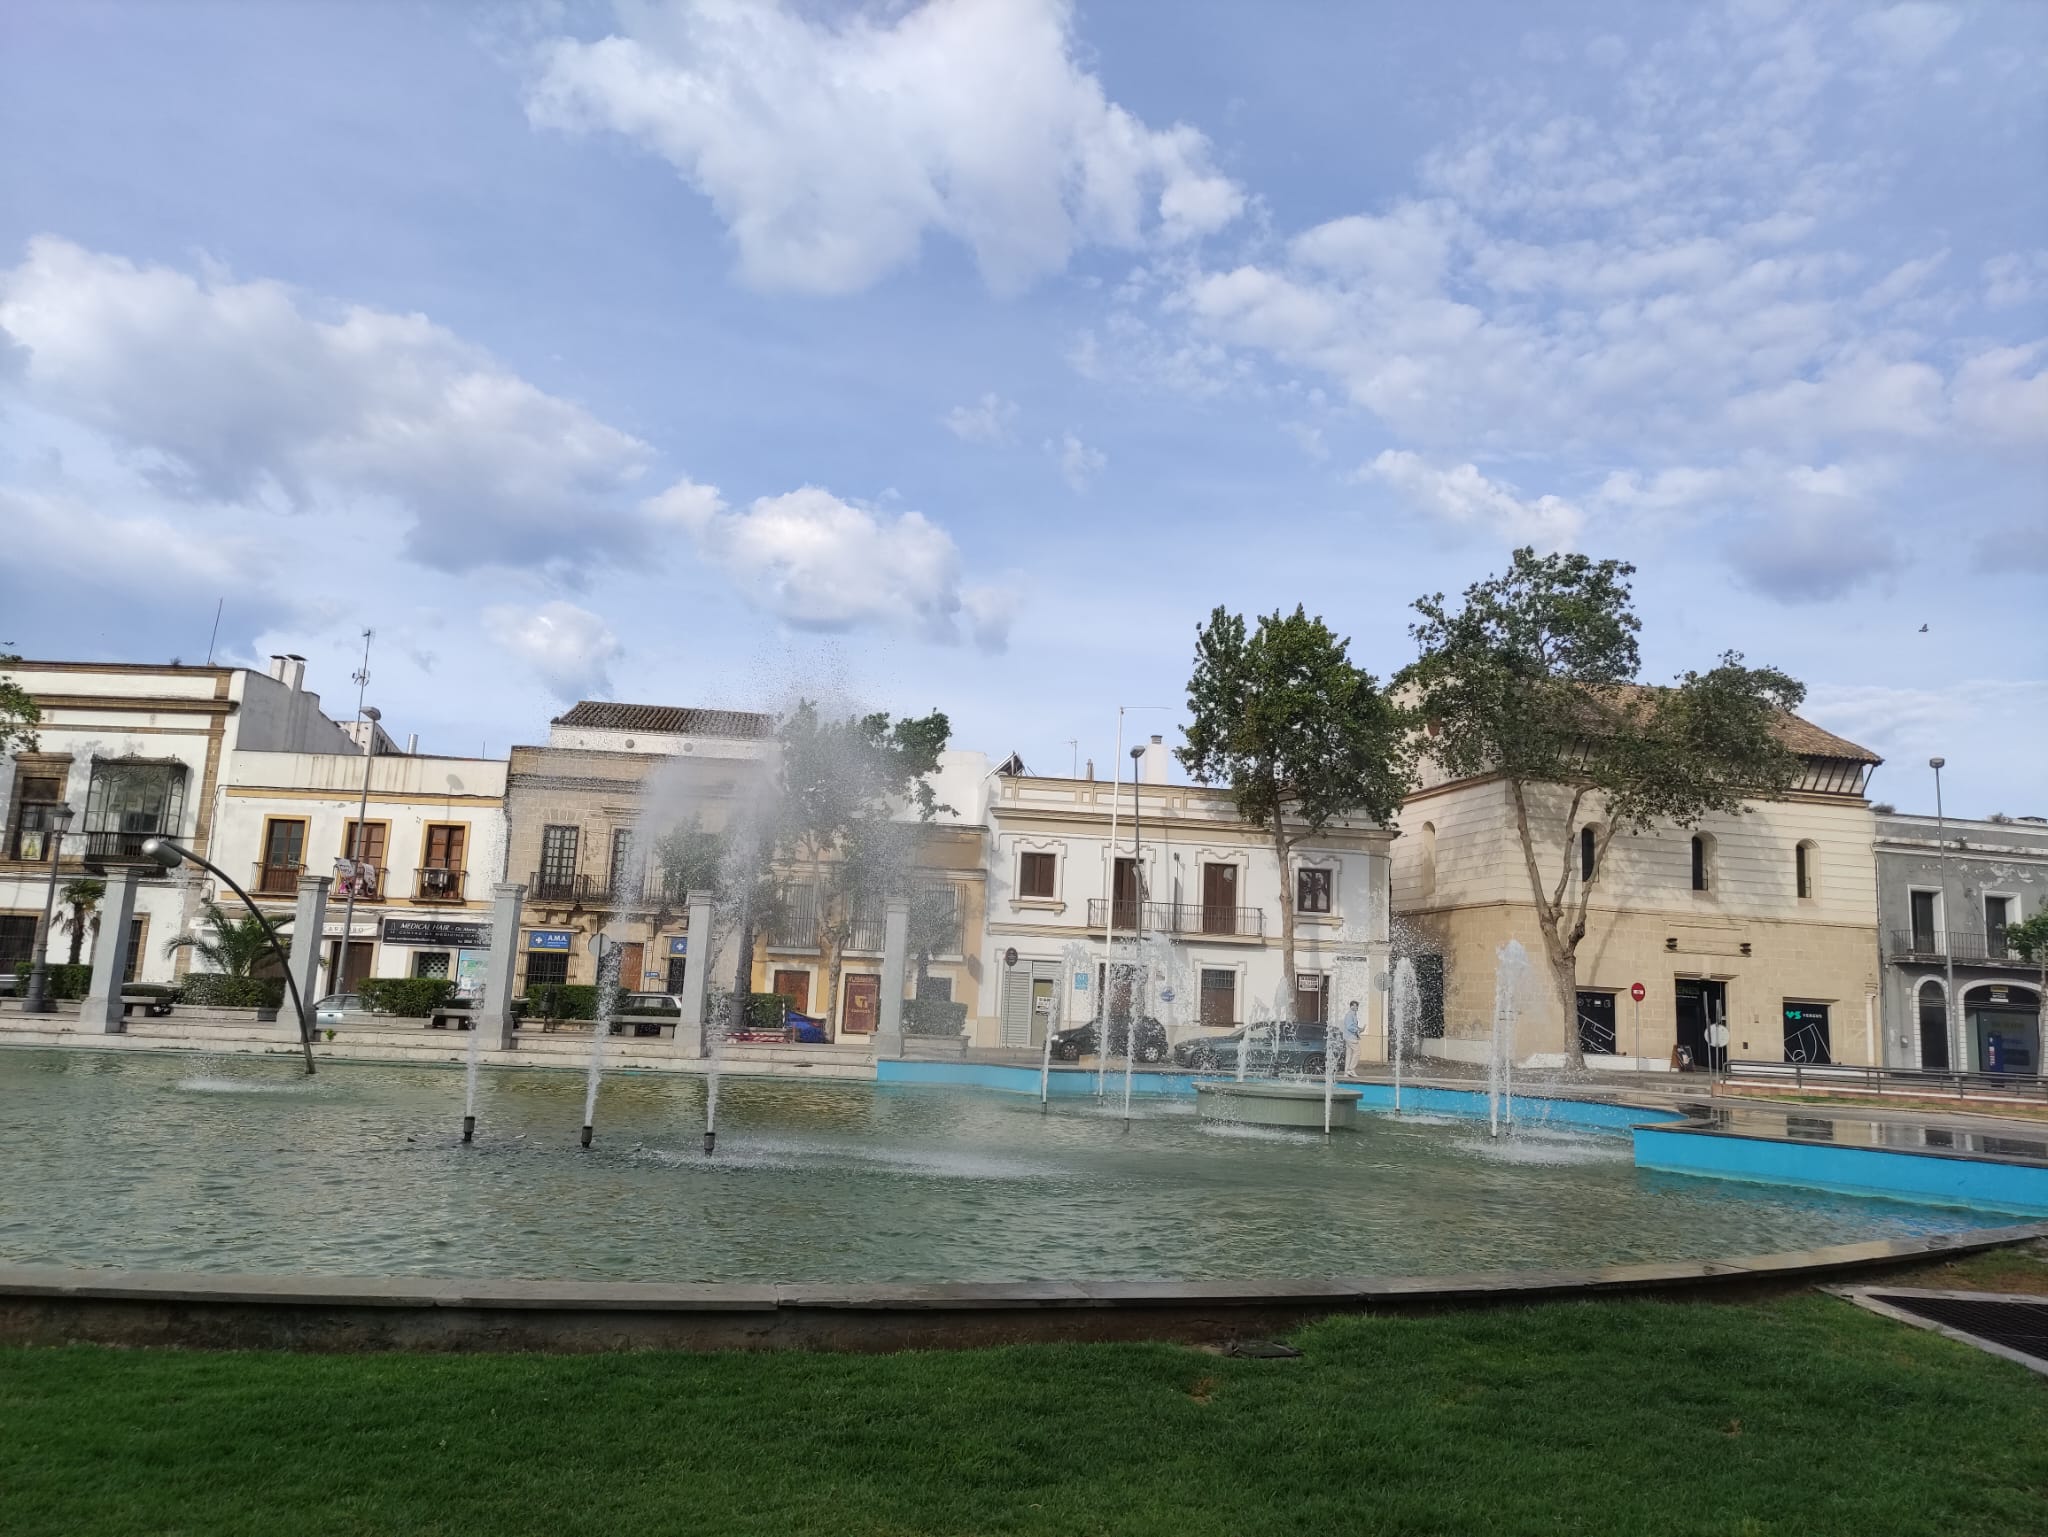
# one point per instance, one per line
(1923, 629)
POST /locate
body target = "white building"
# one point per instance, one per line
(135, 751)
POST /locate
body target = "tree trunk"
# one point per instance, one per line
(77, 934)
(1562, 949)
(1281, 844)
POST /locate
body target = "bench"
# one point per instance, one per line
(148, 1003)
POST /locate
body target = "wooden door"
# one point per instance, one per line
(1219, 899)
(1124, 888)
(796, 987)
(631, 963)
(863, 1006)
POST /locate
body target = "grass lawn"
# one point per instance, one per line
(1796, 1416)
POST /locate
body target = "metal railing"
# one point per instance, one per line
(275, 880)
(1903, 1082)
(437, 883)
(119, 845)
(590, 891)
(794, 925)
(1963, 945)
(1182, 920)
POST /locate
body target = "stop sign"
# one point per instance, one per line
(1637, 991)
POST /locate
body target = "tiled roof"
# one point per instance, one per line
(670, 720)
(1794, 731)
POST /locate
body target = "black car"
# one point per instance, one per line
(1283, 1048)
(1084, 1040)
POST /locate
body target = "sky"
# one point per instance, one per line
(966, 355)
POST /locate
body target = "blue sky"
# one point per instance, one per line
(967, 354)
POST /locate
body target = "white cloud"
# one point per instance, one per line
(1463, 497)
(831, 148)
(1912, 32)
(2003, 394)
(2014, 277)
(988, 420)
(820, 563)
(570, 648)
(1905, 724)
(250, 391)
(1079, 464)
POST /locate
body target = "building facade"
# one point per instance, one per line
(135, 752)
(420, 863)
(1764, 923)
(1946, 892)
(1079, 869)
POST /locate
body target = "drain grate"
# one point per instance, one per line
(2017, 1324)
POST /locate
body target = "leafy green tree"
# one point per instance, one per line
(691, 857)
(1532, 679)
(844, 781)
(19, 716)
(235, 947)
(2028, 939)
(1300, 734)
(81, 911)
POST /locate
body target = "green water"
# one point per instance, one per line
(155, 1161)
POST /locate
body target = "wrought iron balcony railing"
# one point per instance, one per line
(1960, 944)
(437, 884)
(1182, 920)
(277, 880)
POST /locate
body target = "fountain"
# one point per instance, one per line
(469, 1070)
(1074, 964)
(1404, 1013)
(1511, 968)
(608, 956)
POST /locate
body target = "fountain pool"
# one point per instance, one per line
(167, 1162)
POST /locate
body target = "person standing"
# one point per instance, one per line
(1350, 1031)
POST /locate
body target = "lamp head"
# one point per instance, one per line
(163, 852)
(60, 817)
(1937, 764)
(1137, 753)
(371, 712)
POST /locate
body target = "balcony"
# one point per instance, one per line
(120, 846)
(1181, 920)
(794, 923)
(1979, 949)
(589, 891)
(273, 880)
(436, 884)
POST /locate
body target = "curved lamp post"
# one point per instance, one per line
(170, 855)
(37, 999)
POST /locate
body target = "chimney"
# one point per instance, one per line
(1152, 768)
(290, 670)
(276, 666)
(1091, 771)
(412, 744)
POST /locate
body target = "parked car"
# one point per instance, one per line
(643, 1007)
(1084, 1040)
(1285, 1048)
(338, 1009)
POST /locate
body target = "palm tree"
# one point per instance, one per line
(81, 900)
(234, 947)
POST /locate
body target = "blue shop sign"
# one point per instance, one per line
(679, 945)
(548, 939)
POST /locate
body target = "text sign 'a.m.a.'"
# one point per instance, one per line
(435, 931)
(548, 939)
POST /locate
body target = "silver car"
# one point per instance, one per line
(338, 1009)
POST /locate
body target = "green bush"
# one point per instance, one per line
(407, 997)
(562, 1000)
(63, 980)
(148, 990)
(934, 1016)
(217, 990)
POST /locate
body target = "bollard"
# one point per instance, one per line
(710, 1142)
(469, 1128)
(586, 1136)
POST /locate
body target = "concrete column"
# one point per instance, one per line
(690, 1024)
(494, 1017)
(895, 953)
(101, 1012)
(307, 939)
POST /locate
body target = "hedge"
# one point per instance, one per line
(562, 1000)
(60, 978)
(407, 997)
(934, 1016)
(217, 990)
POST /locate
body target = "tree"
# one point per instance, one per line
(81, 899)
(843, 783)
(1300, 735)
(2028, 939)
(19, 715)
(691, 858)
(234, 947)
(1533, 679)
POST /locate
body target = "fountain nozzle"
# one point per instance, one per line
(469, 1128)
(586, 1136)
(710, 1142)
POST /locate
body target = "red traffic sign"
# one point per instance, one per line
(1637, 991)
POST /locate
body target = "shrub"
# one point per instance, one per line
(934, 1016)
(562, 1000)
(217, 990)
(148, 990)
(407, 997)
(62, 979)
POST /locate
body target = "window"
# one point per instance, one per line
(1035, 873)
(1312, 890)
(36, 797)
(1219, 997)
(1702, 861)
(557, 876)
(1924, 941)
(359, 870)
(1806, 1033)
(284, 856)
(1428, 858)
(129, 803)
(1802, 871)
(1997, 915)
(546, 968)
(430, 963)
(444, 846)
(1596, 1024)
(364, 841)
(678, 972)
(17, 940)
(137, 927)
(1589, 853)
(1429, 985)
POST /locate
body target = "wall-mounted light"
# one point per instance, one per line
(1745, 947)
(1671, 942)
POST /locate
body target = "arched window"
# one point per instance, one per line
(1589, 852)
(1702, 862)
(1428, 858)
(1805, 869)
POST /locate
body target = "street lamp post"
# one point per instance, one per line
(170, 855)
(37, 999)
(338, 982)
(1951, 1015)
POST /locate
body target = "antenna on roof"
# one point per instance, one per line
(223, 603)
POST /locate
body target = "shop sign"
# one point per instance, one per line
(548, 939)
(679, 945)
(435, 931)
